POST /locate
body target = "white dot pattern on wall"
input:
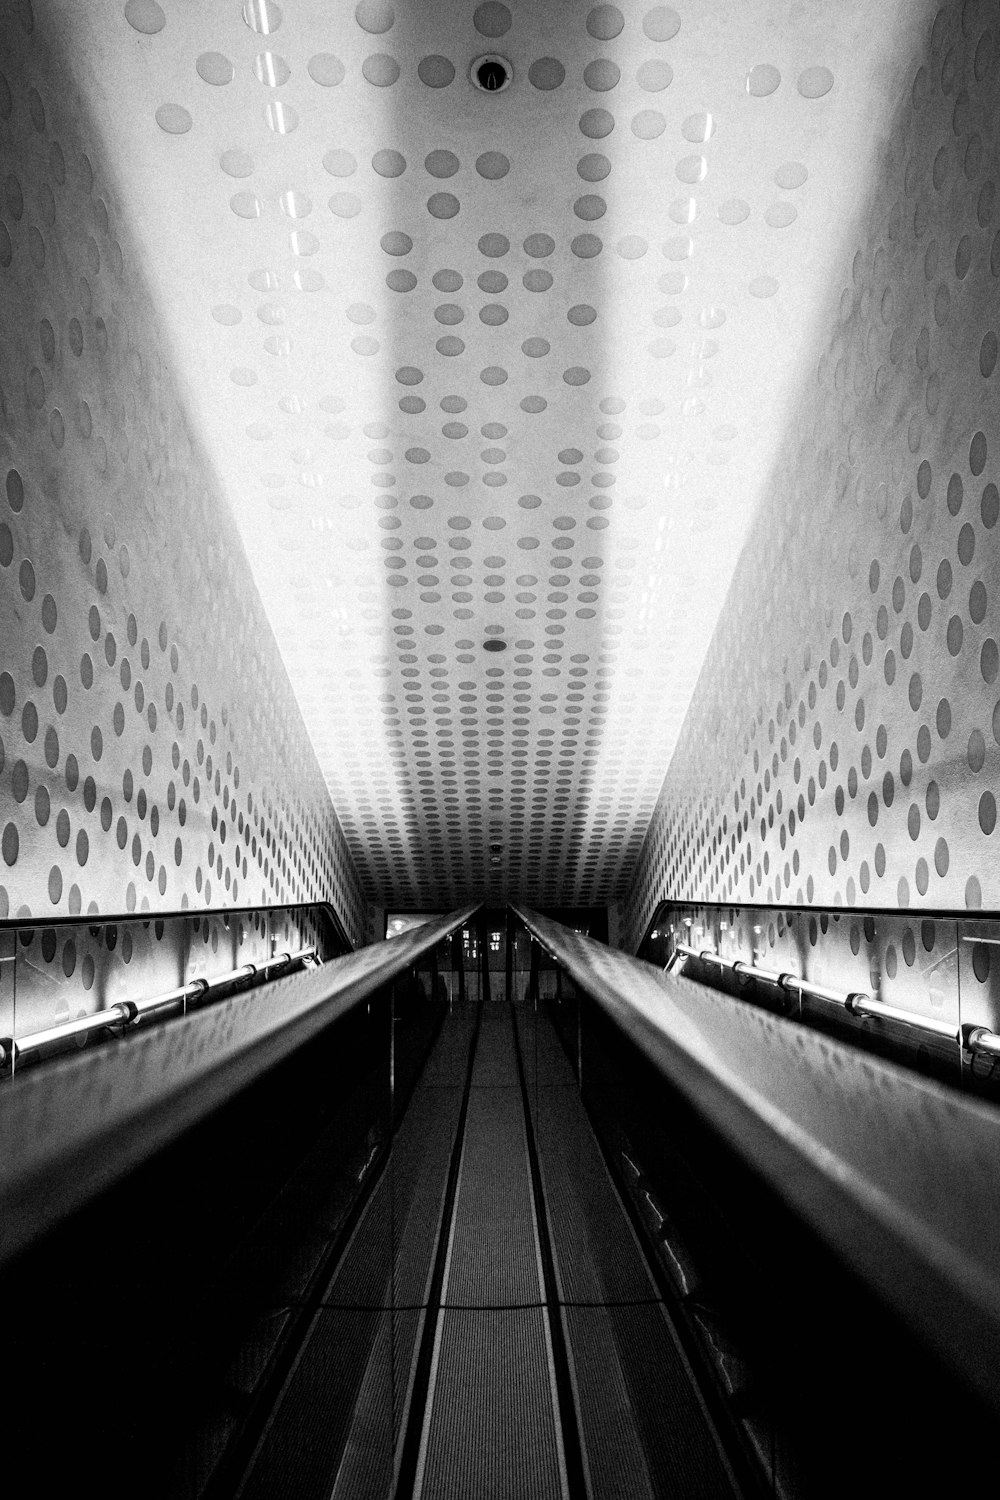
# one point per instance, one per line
(68, 971)
(852, 759)
(466, 381)
(151, 754)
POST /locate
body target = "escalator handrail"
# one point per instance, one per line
(71, 1128)
(897, 1174)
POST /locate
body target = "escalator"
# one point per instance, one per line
(518, 1216)
(515, 1342)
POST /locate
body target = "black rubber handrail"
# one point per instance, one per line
(852, 1144)
(70, 1129)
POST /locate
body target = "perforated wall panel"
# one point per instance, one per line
(152, 754)
(843, 742)
(480, 366)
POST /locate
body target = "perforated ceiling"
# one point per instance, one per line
(493, 380)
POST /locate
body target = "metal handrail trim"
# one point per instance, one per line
(857, 1003)
(115, 1015)
(129, 1012)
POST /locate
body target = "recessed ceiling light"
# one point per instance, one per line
(491, 74)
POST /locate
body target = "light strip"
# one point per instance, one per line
(126, 1013)
(974, 1039)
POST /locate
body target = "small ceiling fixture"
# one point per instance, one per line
(491, 73)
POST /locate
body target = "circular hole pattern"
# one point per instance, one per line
(762, 80)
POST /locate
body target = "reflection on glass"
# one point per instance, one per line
(399, 922)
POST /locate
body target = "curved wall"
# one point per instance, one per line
(152, 755)
(843, 744)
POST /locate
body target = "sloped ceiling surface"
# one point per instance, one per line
(493, 379)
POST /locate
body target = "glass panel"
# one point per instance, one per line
(905, 960)
(521, 966)
(446, 978)
(470, 960)
(60, 975)
(398, 922)
(8, 989)
(979, 997)
(496, 954)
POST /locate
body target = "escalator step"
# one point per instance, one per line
(492, 1428)
(493, 1261)
(628, 1353)
(367, 1464)
(300, 1453)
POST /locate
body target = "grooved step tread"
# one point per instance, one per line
(642, 1425)
(301, 1450)
(493, 1259)
(492, 1430)
(366, 1467)
(496, 1063)
(490, 1426)
(448, 1063)
(388, 1261)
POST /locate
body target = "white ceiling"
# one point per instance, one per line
(478, 366)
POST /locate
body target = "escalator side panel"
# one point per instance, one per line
(597, 1258)
(345, 1423)
(299, 1456)
(367, 1466)
(644, 1429)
